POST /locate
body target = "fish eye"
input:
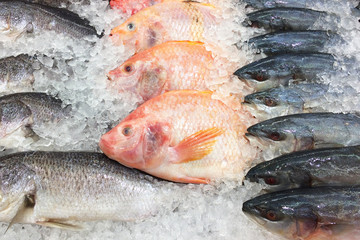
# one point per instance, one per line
(272, 216)
(275, 136)
(269, 102)
(127, 131)
(128, 68)
(271, 180)
(131, 27)
(259, 77)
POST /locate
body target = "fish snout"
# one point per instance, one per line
(106, 144)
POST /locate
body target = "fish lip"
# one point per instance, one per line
(249, 134)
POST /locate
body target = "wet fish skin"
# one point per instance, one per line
(17, 72)
(29, 109)
(18, 17)
(168, 66)
(179, 136)
(281, 101)
(60, 3)
(281, 69)
(289, 19)
(277, 3)
(312, 168)
(75, 186)
(309, 213)
(167, 21)
(294, 42)
(310, 130)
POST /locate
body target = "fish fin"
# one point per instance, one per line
(197, 145)
(28, 201)
(194, 180)
(57, 223)
(29, 132)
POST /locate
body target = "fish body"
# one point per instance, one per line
(132, 7)
(169, 66)
(29, 110)
(283, 69)
(312, 168)
(310, 130)
(282, 3)
(61, 3)
(290, 19)
(170, 20)
(20, 17)
(17, 72)
(182, 136)
(310, 213)
(282, 101)
(56, 188)
(294, 42)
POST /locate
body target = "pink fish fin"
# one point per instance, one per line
(193, 180)
(197, 145)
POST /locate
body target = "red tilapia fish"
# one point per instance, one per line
(170, 20)
(173, 65)
(183, 136)
(132, 6)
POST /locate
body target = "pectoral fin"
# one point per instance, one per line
(197, 145)
(56, 223)
(27, 202)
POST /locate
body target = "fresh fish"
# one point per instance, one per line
(323, 213)
(310, 130)
(281, 69)
(173, 65)
(180, 136)
(295, 19)
(281, 101)
(17, 72)
(29, 110)
(283, 3)
(312, 168)
(294, 42)
(55, 189)
(61, 3)
(171, 20)
(18, 18)
(132, 7)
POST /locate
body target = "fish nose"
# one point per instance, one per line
(106, 143)
(109, 77)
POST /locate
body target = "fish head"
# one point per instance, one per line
(257, 77)
(269, 130)
(282, 213)
(13, 115)
(140, 75)
(141, 30)
(276, 175)
(137, 142)
(16, 182)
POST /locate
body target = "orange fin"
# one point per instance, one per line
(193, 180)
(197, 145)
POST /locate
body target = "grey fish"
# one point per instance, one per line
(281, 101)
(310, 130)
(312, 168)
(282, 69)
(29, 110)
(281, 3)
(294, 19)
(60, 3)
(18, 17)
(309, 213)
(294, 42)
(17, 71)
(56, 188)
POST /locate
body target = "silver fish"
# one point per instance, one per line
(284, 69)
(309, 130)
(55, 189)
(18, 17)
(17, 72)
(294, 42)
(282, 101)
(311, 213)
(312, 168)
(294, 19)
(28, 110)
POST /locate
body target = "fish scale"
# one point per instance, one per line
(183, 114)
